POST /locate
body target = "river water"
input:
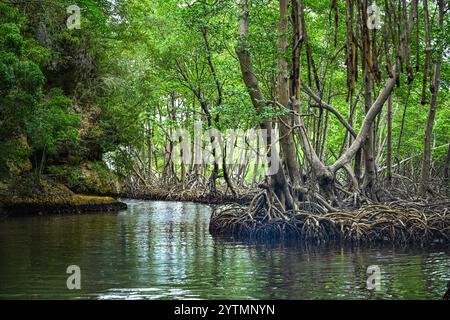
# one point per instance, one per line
(163, 250)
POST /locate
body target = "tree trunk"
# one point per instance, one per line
(150, 149)
(278, 182)
(369, 159)
(427, 70)
(389, 141)
(447, 169)
(434, 88)
(286, 122)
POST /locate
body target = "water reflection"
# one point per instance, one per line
(161, 250)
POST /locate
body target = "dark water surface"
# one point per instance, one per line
(163, 250)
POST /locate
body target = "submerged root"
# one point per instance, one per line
(395, 223)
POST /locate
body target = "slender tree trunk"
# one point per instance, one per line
(296, 50)
(389, 141)
(150, 150)
(256, 165)
(218, 103)
(350, 50)
(427, 67)
(369, 159)
(286, 122)
(204, 105)
(447, 169)
(182, 164)
(426, 163)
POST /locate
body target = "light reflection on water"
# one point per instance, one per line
(163, 250)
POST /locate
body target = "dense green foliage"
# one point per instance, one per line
(48, 103)
(113, 91)
(35, 120)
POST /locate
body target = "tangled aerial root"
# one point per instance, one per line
(197, 194)
(377, 223)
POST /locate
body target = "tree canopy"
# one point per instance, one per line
(354, 106)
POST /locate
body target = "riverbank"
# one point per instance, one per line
(79, 204)
(49, 198)
(246, 217)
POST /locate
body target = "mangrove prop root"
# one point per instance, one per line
(187, 193)
(397, 223)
